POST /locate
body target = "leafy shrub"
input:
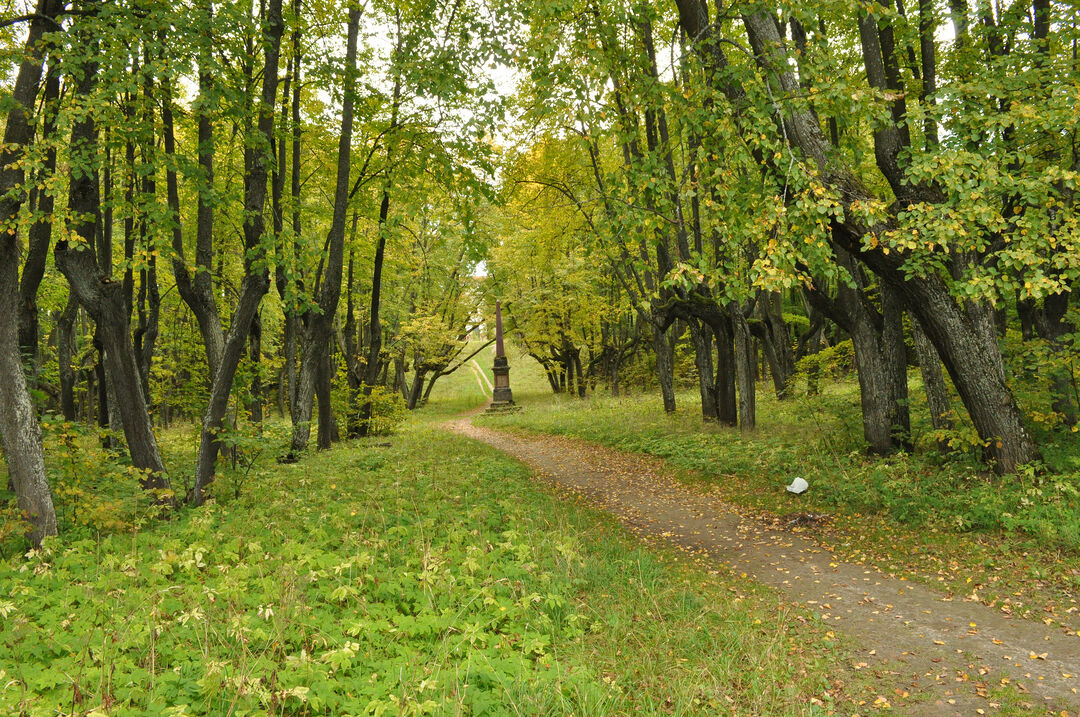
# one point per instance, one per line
(388, 411)
(833, 361)
(95, 489)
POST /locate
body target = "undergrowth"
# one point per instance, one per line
(427, 576)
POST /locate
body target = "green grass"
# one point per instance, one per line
(417, 574)
(427, 576)
(1013, 541)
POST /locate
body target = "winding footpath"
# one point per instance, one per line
(931, 655)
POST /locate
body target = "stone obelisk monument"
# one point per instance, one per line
(501, 396)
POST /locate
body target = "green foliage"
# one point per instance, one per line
(95, 490)
(558, 292)
(340, 587)
(245, 444)
(834, 362)
(388, 410)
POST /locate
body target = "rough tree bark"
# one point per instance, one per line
(665, 369)
(937, 395)
(745, 378)
(775, 336)
(702, 342)
(256, 281)
(726, 402)
(40, 234)
(255, 406)
(878, 340)
(65, 327)
(19, 428)
(314, 365)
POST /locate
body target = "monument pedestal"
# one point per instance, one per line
(502, 398)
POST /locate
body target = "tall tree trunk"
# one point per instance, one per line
(775, 336)
(255, 407)
(582, 386)
(401, 385)
(196, 284)
(726, 401)
(151, 329)
(65, 326)
(103, 300)
(745, 369)
(328, 431)
(430, 385)
(98, 372)
(320, 326)
(352, 340)
(702, 343)
(371, 368)
(894, 355)
(878, 341)
(417, 386)
(256, 281)
(40, 235)
(664, 367)
(293, 320)
(937, 395)
(19, 428)
(283, 272)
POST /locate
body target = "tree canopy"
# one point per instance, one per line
(215, 209)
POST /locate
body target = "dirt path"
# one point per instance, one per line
(947, 653)
(481, 379)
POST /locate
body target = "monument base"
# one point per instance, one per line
(502, 398)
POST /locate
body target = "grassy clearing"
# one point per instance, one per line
(1012, 542)
(421, 574)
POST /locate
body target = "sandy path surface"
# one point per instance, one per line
(946, 653)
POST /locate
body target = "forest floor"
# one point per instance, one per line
(416, 573)
(932, 652)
